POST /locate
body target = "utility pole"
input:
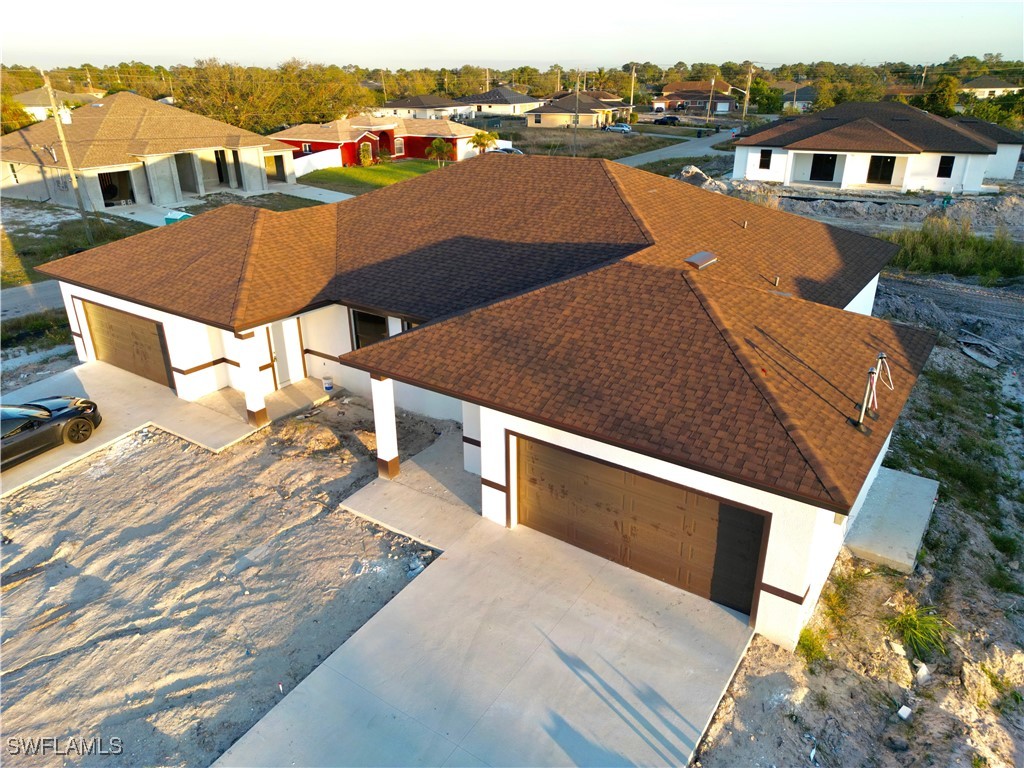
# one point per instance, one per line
(632, 85)
(558, 80)
(746, 94)
(576, 115)
(711, 94)
(487, 81)
(924, 76)
(67, 156)
(384, 85)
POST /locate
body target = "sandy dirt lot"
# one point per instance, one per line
(167, 598)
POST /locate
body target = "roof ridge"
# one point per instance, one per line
(889, 131)
(627, 202)
(793, 431)
(248, 265)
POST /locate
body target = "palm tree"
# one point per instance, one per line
(440, 150)
(483, 140)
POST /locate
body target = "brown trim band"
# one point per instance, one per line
(387, 468)
(246, 335)
(494, 485)
(324, 355)
(786, 595)
(298, 325)
(377, 377)
(471, 441)
(76, 334)
(204, 366)
(266, 367)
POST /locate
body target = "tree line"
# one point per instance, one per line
(263, 99)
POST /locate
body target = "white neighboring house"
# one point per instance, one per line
(37, 102)
(876, 145)
(129, 150)
(988, 87)
(632, 339)
(500, 101)
(426, 107)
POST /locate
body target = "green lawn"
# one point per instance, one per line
(272, 202)
(712, 165)
(670, 130)
(588, 142)
(35, 233)
(357, 180)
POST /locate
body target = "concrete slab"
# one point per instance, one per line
(890, 526)
(518, 649)
(127, 403)
(433, 500)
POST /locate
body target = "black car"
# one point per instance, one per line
(667, 120)
(32, 428)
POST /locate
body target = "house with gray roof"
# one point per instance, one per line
(988, 87)
(871, 145)
(37, 101)
(128, 150)
(501, 101)
(428, 106)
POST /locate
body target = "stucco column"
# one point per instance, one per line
(382, 392)
(471, 437)
(253, 353)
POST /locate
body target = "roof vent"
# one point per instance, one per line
(701, 259)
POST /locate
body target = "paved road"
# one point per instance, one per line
(30, 299)
(691, 148)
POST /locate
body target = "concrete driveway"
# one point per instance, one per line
(511, 649)
(690, 148)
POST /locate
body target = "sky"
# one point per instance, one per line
(408, 34)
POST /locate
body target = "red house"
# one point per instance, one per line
(400, 137)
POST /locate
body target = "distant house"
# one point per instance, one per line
(800, 99)
(875, 145)
(37, 102)
(585, 111)
(988, 87)
(500, 101)
(400, 137)
(693, 95)
(426, 107)
(128, 150)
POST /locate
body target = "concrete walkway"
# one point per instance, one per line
(511, 649)
(154, 215)
(690, 148)
(128, 402)
(29, 299)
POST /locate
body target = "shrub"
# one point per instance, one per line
(920, 628)
(946, 245)
(365, 154)
(811, 646)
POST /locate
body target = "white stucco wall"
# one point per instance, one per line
(746, 165)
(254, 169)
(864, 302)
(162, 175)
(1003, 165)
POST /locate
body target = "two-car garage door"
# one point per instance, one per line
(680, 537)
(129, 342)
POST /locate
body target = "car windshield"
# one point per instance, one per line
(24, 412)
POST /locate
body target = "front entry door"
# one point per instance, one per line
(880, 169)
(823, 167)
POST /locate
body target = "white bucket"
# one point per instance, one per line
(328, 383)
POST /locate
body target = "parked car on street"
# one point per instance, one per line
(29, 429)
(667, 120)
(618, 128)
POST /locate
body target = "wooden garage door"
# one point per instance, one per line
(128, 341)
(680, 537)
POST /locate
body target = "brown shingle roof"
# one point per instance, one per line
(118, 129)
(738, 382)
(927, 132)
(990, 131)
(987, 81)
(472, 233)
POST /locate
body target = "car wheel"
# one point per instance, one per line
(78, 431)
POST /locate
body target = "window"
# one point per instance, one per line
(368, 328)
(536, 119)
(408, 325)
(307, 148)
(945, 167)
(399, 146)
(991, 94)
(766, 159)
